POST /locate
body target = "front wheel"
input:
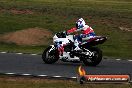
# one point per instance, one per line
(95, 59)
(50, 56)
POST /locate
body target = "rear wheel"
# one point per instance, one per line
(95, 59)
(50, 57)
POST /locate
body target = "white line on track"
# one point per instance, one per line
(129, 60)
(19, 53)
(57, 76)
(73, 77)
(3, 52)
(10, 73)
(33, 54)
(26, 74)
(118, 59)
(42, 75)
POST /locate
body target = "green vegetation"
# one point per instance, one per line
(104, 16)
(18, 82)
(12, 48)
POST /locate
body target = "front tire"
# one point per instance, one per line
(50, 57)
(94, 60)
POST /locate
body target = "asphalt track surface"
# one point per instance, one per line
(33, 64)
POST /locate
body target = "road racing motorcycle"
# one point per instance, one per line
(88, 53)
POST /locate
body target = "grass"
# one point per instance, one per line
(105, 16)
(19, 82)
(13, 48)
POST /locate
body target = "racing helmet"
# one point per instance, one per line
(80, 23)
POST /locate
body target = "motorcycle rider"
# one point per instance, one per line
(87, 32)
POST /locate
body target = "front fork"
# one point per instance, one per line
(52, 48)
(59, 48)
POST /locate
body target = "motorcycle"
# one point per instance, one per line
(88, 53)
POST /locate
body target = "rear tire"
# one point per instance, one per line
(50, 57)
(96, 59)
